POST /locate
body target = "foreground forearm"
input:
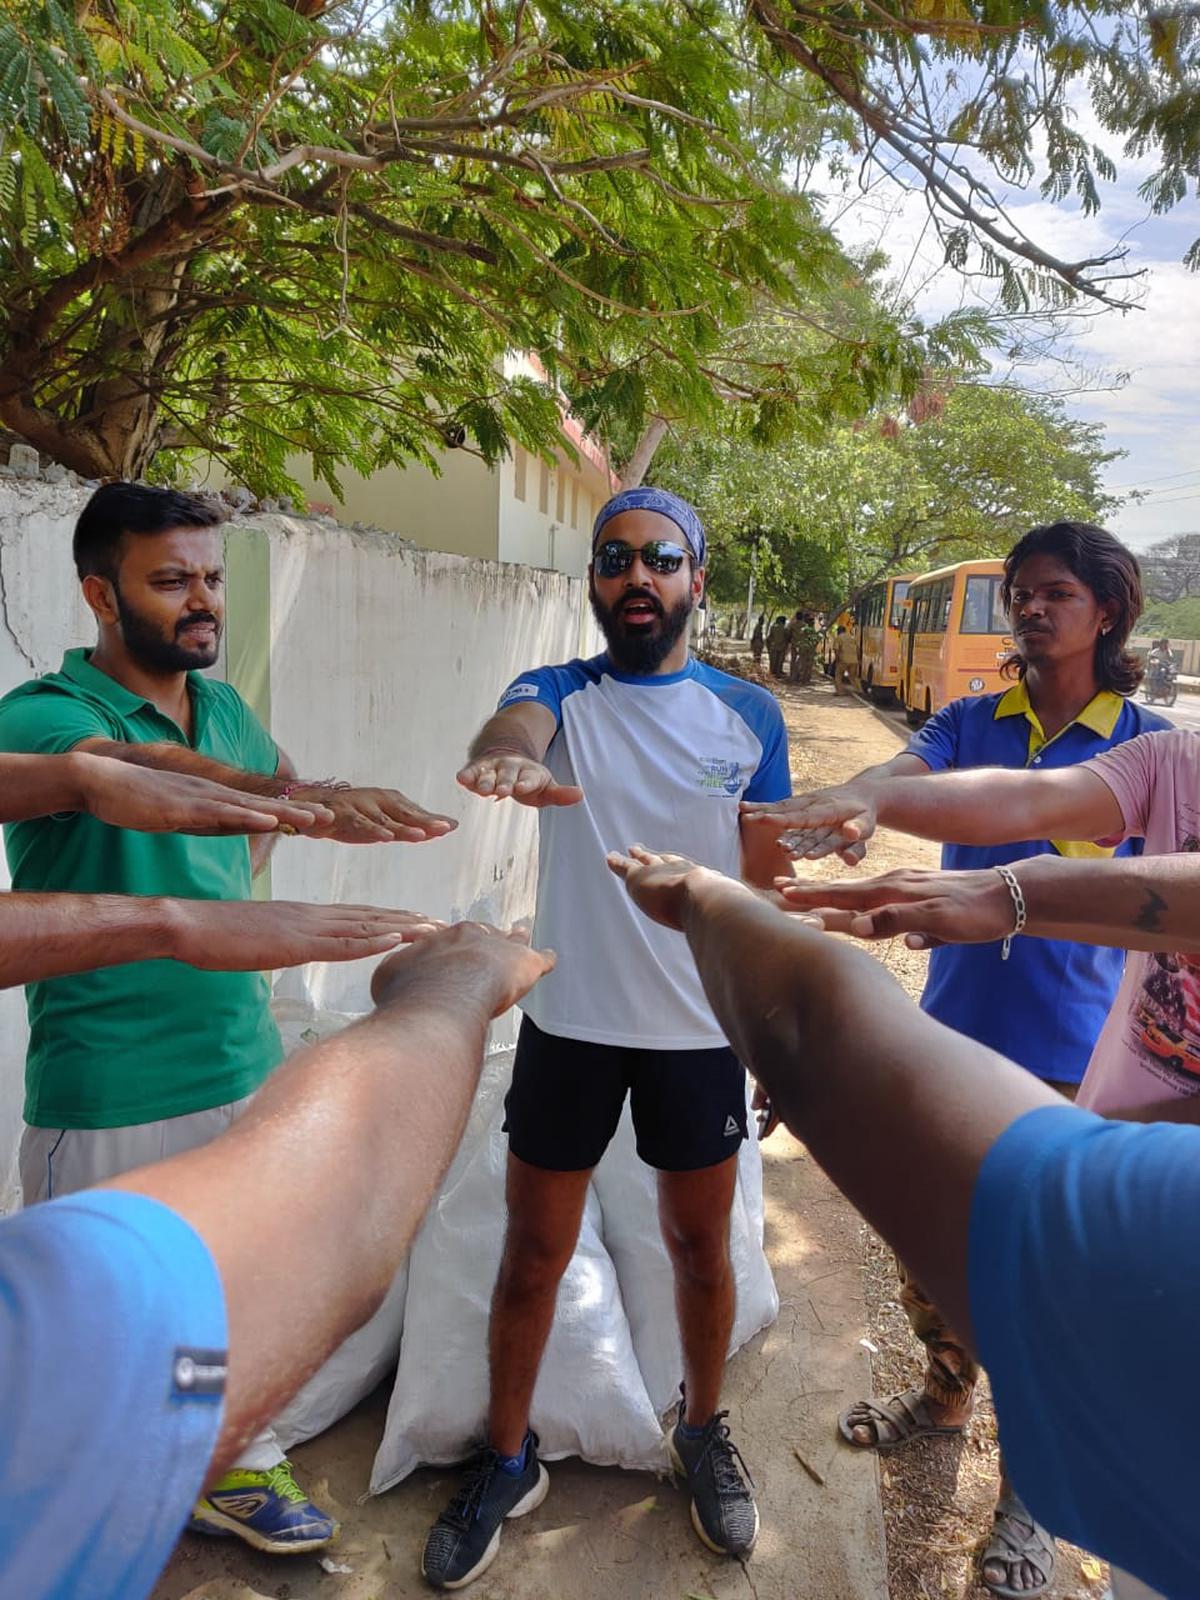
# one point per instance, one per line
(47, 935)
(982, 807)
(901, 766)
(40, 786)
(1135, 903)
(367, 1122)
(170, 757)
(995, 805)
(878, 1091)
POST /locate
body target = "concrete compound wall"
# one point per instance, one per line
(369, 659)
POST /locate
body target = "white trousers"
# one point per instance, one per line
(58, 1161)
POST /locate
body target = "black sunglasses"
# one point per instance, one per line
(660, 555)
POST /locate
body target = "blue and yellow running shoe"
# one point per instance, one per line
(269, 1510)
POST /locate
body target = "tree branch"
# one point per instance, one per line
(847, 88)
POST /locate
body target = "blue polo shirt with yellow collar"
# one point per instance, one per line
(1043, 1007)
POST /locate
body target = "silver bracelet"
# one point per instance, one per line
(1018, 900)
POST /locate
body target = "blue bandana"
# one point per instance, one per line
(666, 504)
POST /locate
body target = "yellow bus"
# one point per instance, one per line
(956, 639)
(879, 616)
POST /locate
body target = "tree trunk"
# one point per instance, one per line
(638, 464)
(116, 429)
(122, 411)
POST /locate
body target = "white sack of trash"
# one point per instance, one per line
(613, 1363)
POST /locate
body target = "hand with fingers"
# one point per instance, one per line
(929, 908)
(510, 775)
(836, 821)
(153, 801)
(470, 963)
(372, 816)
(249, 936)
(660, 884)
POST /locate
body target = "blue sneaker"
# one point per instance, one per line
(269, 1510)
(723, 1510)
(463, 1541)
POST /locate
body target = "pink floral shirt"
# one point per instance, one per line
(1149, 1049)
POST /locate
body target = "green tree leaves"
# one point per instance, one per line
(289, 226)
(826, 518)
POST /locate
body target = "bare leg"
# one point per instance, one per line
(693, 1209)
(544, 1212)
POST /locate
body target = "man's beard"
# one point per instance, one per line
(148, 648)
(644, 651)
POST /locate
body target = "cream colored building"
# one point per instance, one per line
(524, 510)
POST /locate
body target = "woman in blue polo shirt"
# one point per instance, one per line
(1073, 594)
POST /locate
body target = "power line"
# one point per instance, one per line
(1163, 477)
(1178, 500)
(1175, 488)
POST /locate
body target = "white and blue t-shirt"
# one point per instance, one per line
(663, 762)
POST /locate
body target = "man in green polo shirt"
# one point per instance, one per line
(129, 1064)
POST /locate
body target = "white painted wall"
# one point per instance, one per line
(456, 510)
(42, 614)
(524, 510)
(384, 661)
(557, 536)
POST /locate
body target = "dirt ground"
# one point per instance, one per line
(611, 1535)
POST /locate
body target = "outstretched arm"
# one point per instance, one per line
(987, 805)
(151, 802)
(47, 935)
(360, 815)
(507, 756)
(878, 1091)
(357, 1132)
(1132, 903)
(813, 842)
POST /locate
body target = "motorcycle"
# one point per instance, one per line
(1161, 684)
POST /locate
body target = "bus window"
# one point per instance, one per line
(983, 611)
(899, 594)
(956, 639)
(937, 604)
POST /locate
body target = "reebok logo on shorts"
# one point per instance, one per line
(731, 1127)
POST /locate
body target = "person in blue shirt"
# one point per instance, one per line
(1073, 594)
(147, 1333)
(1021, 1212)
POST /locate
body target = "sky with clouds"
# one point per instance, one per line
(1154, 416)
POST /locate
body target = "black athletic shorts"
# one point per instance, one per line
(689, 1106)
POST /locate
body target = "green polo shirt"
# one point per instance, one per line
(152, 1039)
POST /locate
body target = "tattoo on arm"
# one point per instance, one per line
(1149, 918)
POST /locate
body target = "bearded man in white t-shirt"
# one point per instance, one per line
(640, 742)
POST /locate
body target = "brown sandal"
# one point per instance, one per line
(1016, 1537)
(907, 1415)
